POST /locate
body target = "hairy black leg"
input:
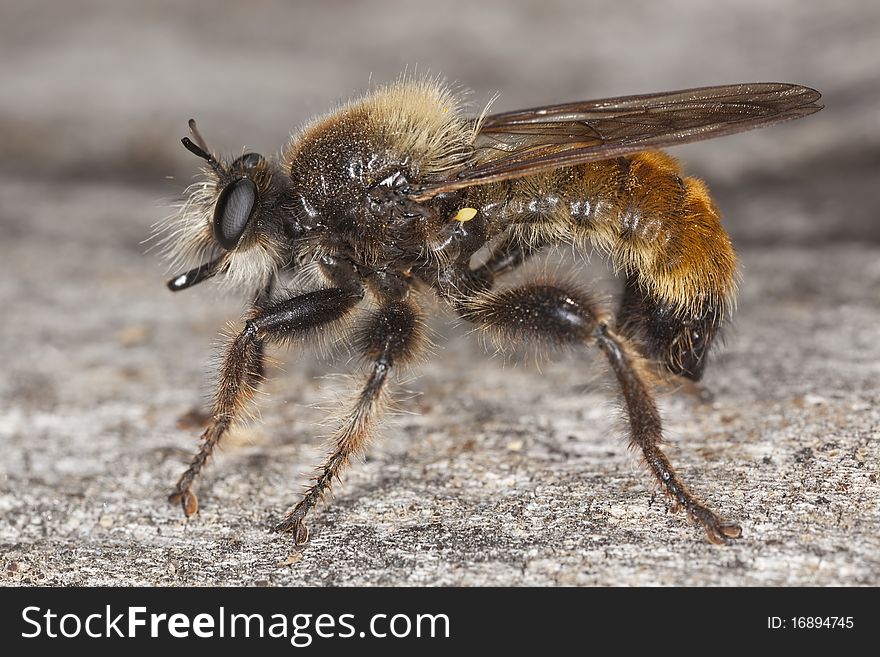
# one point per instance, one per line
(509, 254)
(261, 300)
(241, 371)
(390, 336)
(680, 342)
(561, 314)
(646, 431)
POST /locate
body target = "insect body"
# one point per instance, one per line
(390, 197)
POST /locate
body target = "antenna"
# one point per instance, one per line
(199, 148)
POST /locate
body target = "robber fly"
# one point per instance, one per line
(388, 199)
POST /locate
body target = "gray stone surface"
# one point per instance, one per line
(494, 473)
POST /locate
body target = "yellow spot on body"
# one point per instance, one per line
(465, 214)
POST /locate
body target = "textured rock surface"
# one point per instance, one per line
(497, 474)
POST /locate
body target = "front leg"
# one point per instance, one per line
(242, 368)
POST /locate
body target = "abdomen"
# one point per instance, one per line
(660, 229)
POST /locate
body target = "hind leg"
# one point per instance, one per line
(562, 314)
(678, 340)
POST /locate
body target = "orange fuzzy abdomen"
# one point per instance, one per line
(654, 225)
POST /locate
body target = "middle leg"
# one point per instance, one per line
(391, 336)
(242, 368)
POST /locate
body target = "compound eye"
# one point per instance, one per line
(234, 209)
(248, 161)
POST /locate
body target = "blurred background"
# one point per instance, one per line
(100, 90)
(100, 361)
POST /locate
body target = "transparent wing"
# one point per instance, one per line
(516, 144)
